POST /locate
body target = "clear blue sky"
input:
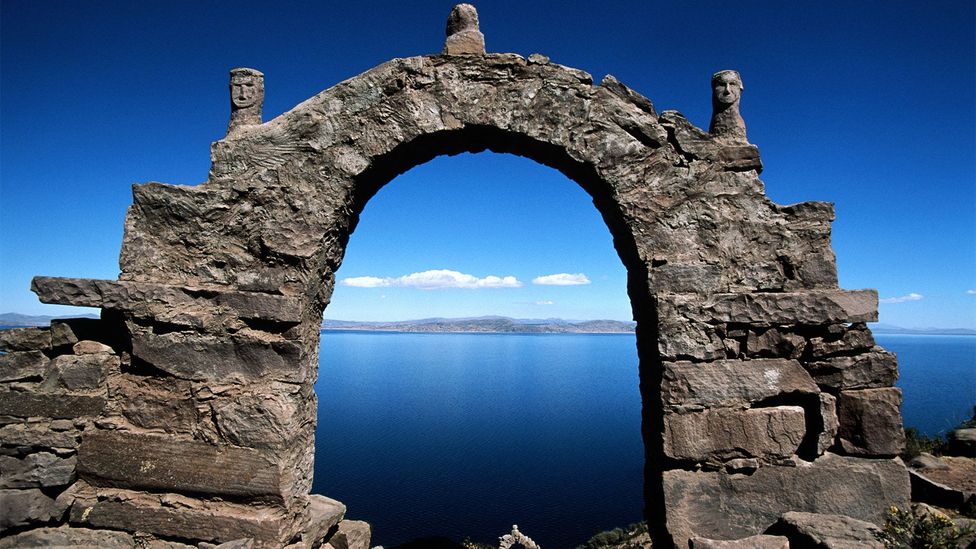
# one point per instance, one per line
(869, 105)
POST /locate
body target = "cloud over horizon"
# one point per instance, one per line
(436, 279)
(561, 279)
(970, 292)
(902, 299)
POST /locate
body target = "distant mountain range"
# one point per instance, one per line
(19, 320)
(488, 324)
(881, 328)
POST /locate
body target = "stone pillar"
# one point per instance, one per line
(463, 34)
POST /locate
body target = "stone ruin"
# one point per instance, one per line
(186, 413)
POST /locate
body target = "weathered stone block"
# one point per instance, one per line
(259, 420)
(726, 383)
(66, 537)
(25, 339)
(23, 365)
(37, 470)
(351, 534)
(825, 530)
(238, 359)
(23, 507)
(775, 343)
(39, 434)
(52, 405)
(761, 541)
(870, 422)
(857, 338)
(725, 434)
(323, 515)
(878, 368)
(791, 308)
(82, 372)
(828, 422)
(962, 442)
(172, 515)
(718, 505)
(166, 302)
(165, 404)
(163, 463)
(89, 347)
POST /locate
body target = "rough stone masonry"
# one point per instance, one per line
(185, 415)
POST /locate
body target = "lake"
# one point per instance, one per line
(457, 435)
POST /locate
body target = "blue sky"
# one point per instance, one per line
(869, 105)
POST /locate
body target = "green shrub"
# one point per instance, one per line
(615, 536)
(916, 443)
(914, 529)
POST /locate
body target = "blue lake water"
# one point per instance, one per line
(456, 435)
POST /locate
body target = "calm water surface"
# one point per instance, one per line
(459, 435)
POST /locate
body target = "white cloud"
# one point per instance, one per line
(545, 302)
(437, 279)
(970, 292)
(901, 299)
(561, 279)
(367, 282)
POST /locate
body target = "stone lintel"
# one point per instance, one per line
(150, 299)
(729, 383)
(124, 459)
(174, 515)
(718, 435)
(789, 308)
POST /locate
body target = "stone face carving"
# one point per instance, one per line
(246, 98)
(463, 34)
(727, 123)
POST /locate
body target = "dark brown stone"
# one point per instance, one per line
(226, 359)
(878, 368)
(725, 434)
(164, 463)
(775, 343)
(825, 530)
(52, 405)
(82, 372)
(790, 308)
(23, 365)
(25, 339)
(37, 470)
(24, 507)
(760, 541)
(724, 383)
(172, 515)
(870, 422)
(718, 505)
(856, 339)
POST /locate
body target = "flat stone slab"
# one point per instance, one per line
(719, 505)
(761, 541)
(726, 383)
(877, 368)
(827, 531)
(162, 463)
(163, 301)
(789, 308)
(51, 405)
(714, 435)
(25, 339)
(67, 537)
(23, 365)
(173, 515)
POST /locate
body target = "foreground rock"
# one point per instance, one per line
(828, 531)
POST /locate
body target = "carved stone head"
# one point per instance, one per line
(246, 97)
(727, 124)
(726, 87)
(463, 17)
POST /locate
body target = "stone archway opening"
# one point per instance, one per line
(763, 391)
(512, 453)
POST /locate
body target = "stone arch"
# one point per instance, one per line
(756, 369)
